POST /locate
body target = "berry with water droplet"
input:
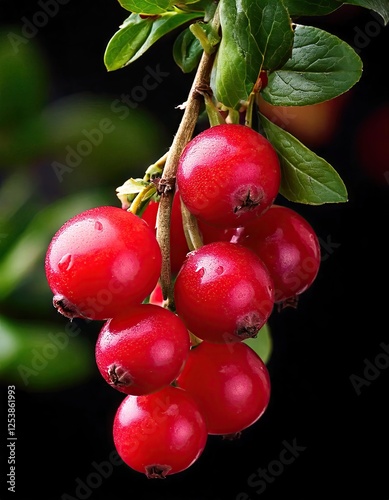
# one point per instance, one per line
(100, 262)
(231, 384)
(290, 249)
(160, 434)
(142, 350)
(223, 292)
(228, 175)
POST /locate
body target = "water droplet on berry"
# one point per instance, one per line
(98, 226)
(66, 262)
(201, 271)
(220, 270)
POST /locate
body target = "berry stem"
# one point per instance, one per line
(182, 137)
(191, 230)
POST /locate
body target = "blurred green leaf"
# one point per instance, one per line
(94, 140)
(29, 249)
(43, 357)
(321, 67)
(23, 80)
(305, 177)
(262, 344)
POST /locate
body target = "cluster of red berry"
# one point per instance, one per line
(185, 371)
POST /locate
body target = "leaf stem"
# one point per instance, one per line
(182, 137)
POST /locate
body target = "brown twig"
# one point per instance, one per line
(182, 137)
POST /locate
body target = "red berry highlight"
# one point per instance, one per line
(160, 434)
(223, 292)
(228, 175)
(100, 262)
(142, 350)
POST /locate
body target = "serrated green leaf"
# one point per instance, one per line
(255, 35)
(152, 7)
(262, 344)
(138, 34)
(310, 8)
(321, 67)
(305, 177)
(187, 51)
(379, 6)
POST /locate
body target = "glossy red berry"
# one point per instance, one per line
(231, 384)
(142, 350)
(228, 175)
(160, 434)
(156, 296)
(288, 246)
(223, 292)
(100, 262)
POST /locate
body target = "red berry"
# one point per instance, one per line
(231, 384)
(228, 175)
(288, 246)
(160, 434)
(223, 292)
(156, 296)
(143, 350)
(102, 261)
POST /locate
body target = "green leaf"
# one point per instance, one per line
(146, 6)
(262, 344)
(311, 8)
(187, 51)
(321, 67)
(206, 35)
(23, 80)
(305, 177)
(42, 357)
(138, 34)
(255, 35)
(125, 43)
(379, 6)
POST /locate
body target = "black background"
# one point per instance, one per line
(339, 324)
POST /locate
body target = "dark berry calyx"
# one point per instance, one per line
(247, 201)
(65, 307)
(157, 471)
(119, 376)
(249, 326)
